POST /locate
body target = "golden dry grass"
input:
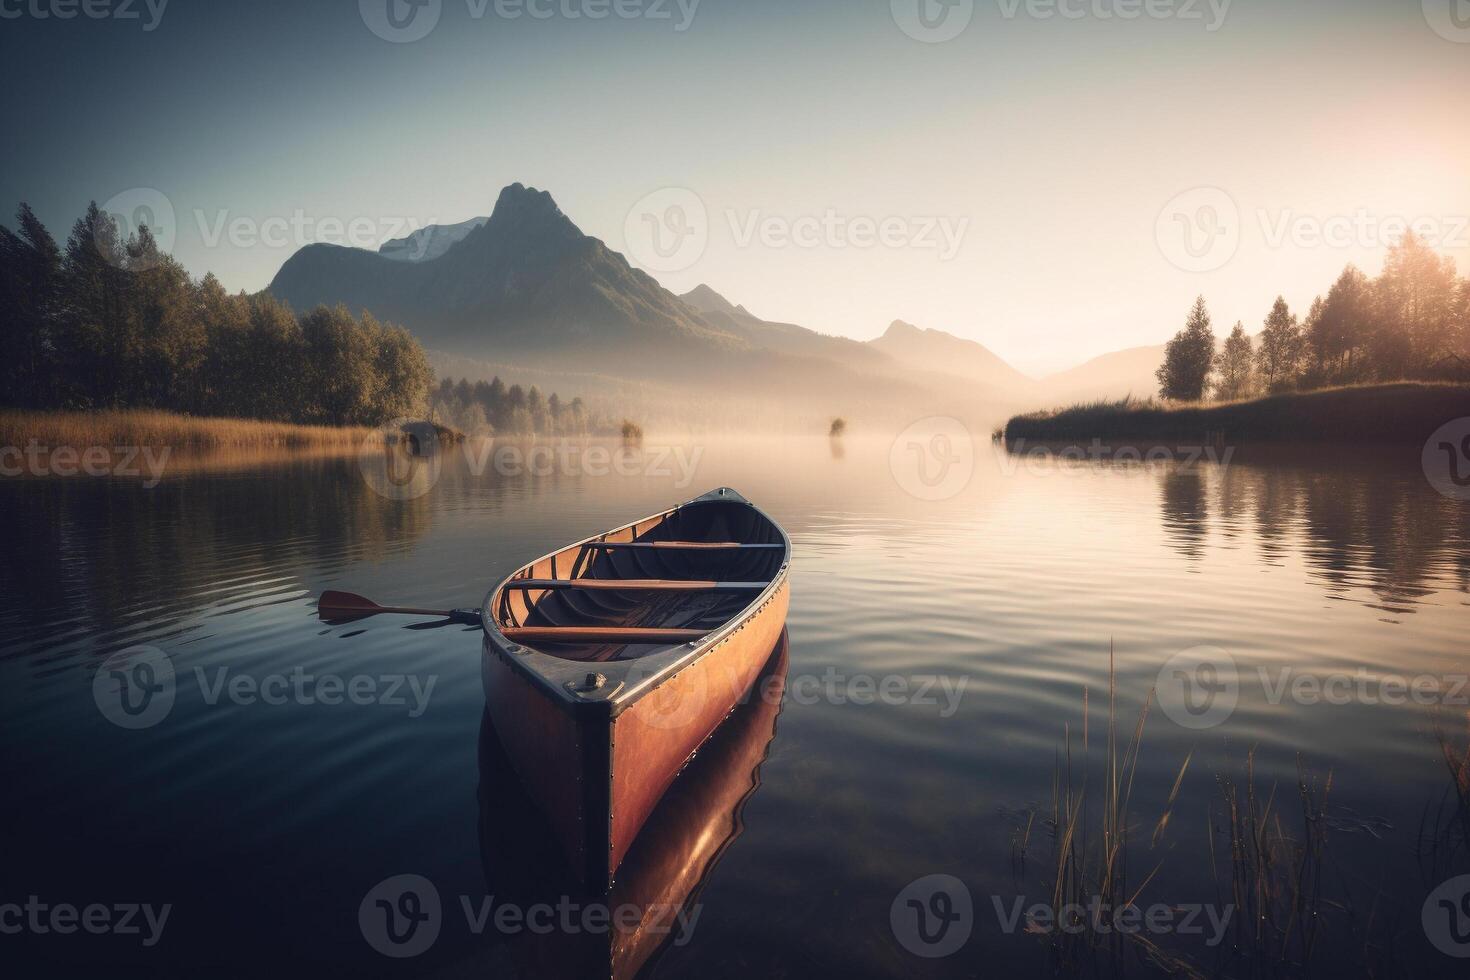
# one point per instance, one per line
(157, 428)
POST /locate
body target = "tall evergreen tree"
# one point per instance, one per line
(1188, 358)
(30, 284)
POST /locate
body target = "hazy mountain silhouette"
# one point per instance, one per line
(935, 350)
(526, 285)
(1113, 375)
(785, 338)
(526, 289)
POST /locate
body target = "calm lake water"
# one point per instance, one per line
(990, 615)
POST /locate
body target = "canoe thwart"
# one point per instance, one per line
(630, 585)
(681, 546)
(597, 634)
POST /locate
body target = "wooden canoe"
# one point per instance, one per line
(700, 816)
(609, 663)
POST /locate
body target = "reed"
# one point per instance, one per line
(1092, 839)
(141, 427)
(1275, 879)
(1444, 833)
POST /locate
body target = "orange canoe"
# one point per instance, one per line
(609, 663)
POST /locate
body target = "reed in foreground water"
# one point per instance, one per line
(1292, 911)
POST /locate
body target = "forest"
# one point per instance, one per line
(1412, 323)
(490, 408)
(108, 322)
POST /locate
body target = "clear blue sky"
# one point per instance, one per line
(1055, 142)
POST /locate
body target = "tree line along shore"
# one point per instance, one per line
(109, 341)
(1385, 359)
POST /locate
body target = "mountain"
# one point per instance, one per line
(429, 242)
(943, 353)
(706, 300)
(527, 286)
(784, 338)
(1110, 376)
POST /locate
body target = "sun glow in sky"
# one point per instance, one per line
(1054, 181)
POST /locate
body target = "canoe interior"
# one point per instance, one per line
(689, 545)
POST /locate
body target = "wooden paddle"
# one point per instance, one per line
(345, 606)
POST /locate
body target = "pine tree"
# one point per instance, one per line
(1188, 358)
(30, 283)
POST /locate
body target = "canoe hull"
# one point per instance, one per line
(596, 730)
(597, 776)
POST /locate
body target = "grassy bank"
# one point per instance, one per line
(1404, 413)
(155, 428)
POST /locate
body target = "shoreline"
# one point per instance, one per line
(1397, 413)
(117, 428)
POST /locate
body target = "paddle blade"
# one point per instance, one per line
(345, 606)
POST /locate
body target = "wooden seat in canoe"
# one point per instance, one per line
(586, 634)
(681, 546)
(630, 585)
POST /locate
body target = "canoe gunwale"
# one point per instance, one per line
(626, 682)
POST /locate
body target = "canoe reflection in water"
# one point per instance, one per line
(654, 900)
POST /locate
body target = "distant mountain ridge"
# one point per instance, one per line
(526, 284)
(935, 350)
(526, 287)
(429, 242)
